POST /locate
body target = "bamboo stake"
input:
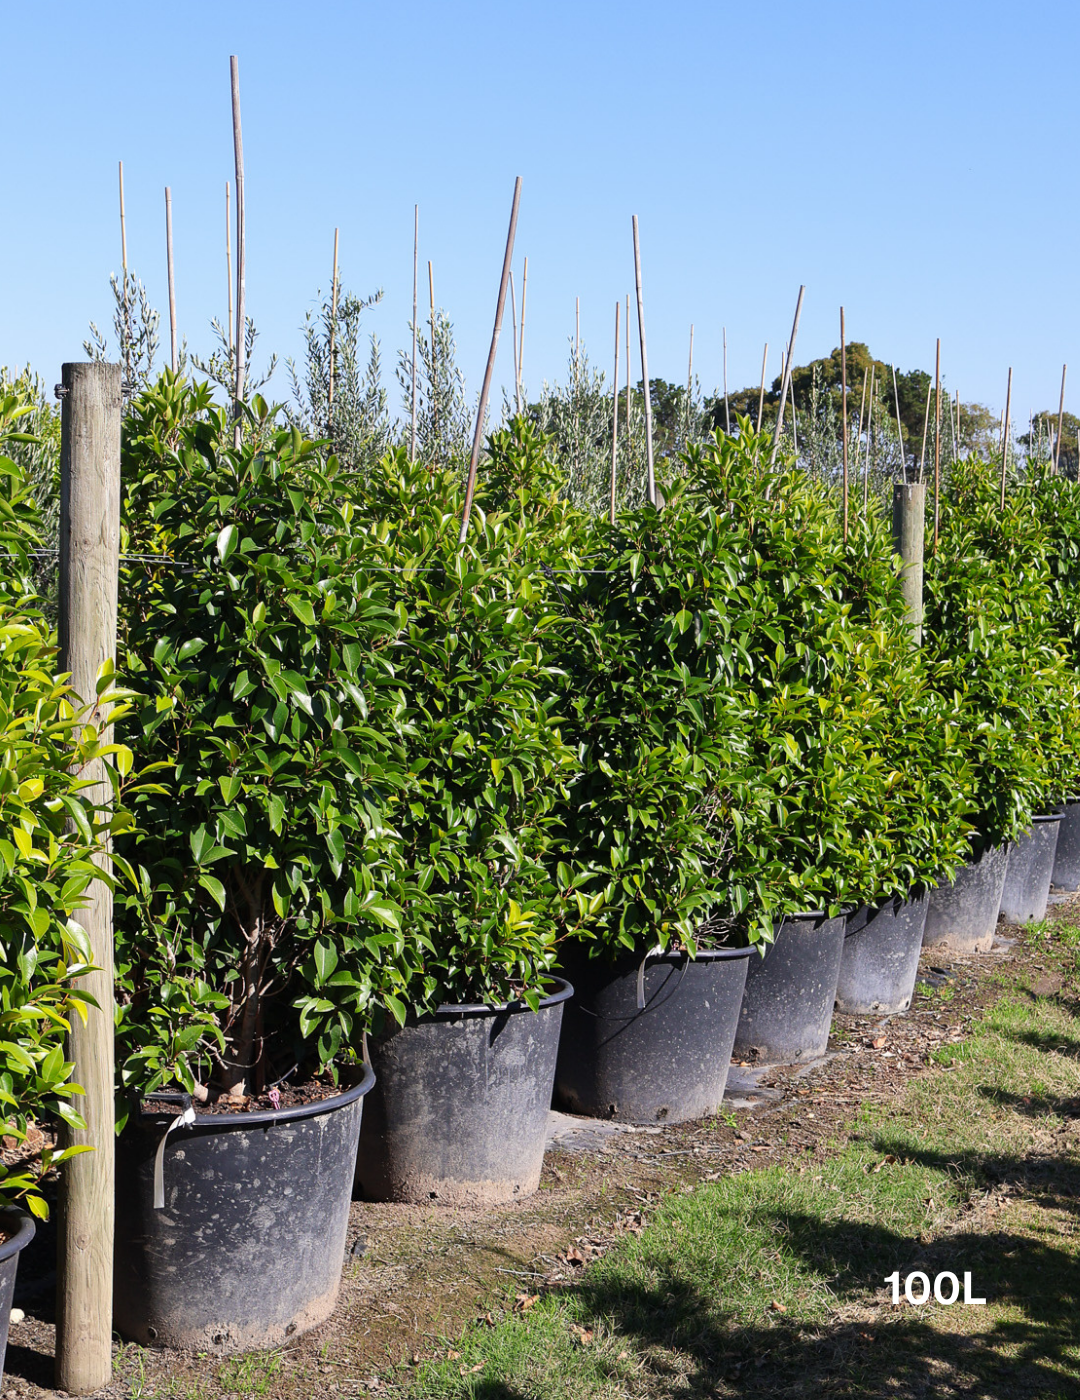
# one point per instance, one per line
(727, 406)
(124, 273)
(794, 418)
(628, 372)
(899, 426)
(434, 378)
(952, 425)
(1061, 419)
(172, 285)
(844, 415)
(241, 257)
(869, 444)
(521, 344)
(514, 342)
(89, 555)
(958, 438)
(937, 440)
(1005, 437)
(615, 412)
(689, 380)
(761, 392)
(644, 368)
(333, 335)
(925, 427)
(481, 412)
(415, 273)
(858, 430)
(228, 265)
(787, 375)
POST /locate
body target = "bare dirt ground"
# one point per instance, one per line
(414, 1276)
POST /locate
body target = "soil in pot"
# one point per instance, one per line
(650, 1042)
(16, 1232)
(790, 992)
(1066, 873)
(459, 1111)
(247, 1249)
(881, 956)
(1026, 890)
(962, 913)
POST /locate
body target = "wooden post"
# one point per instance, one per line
(172, 284)
(415, 272)
(908, 528)
(481, 411)
(761, 394)
(89, 552)
(333, 336)
(727, 406)
(844, 415)
(788, 365)
(1061, 419)
(615, 413)
(228, 264)
(651, 486)
(1005, 437)
(241, 250)
(937, 441)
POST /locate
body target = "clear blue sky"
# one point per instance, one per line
(912, 162)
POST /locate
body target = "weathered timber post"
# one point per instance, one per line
(89, 561)
(908, 525)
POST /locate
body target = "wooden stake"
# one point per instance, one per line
(434, 377)
(124, 274)
(241, 258)
(228, 264)
(794, 419)
(727, 406)
(761, 392)
(89, 553)
(899, 426)
(521, 343)
(1061, 419)
(790, 360)
(172, 285)
(844, 415)
(615, 413)
(330, 375)
(937, 440)
(514, 342)
(689, 380)
(862, 413)
(958, 438)
(577, 332)
(415, 270)
(651, 485)
(925, 427)
(481, 412)
(628, 372)
(869, 443)
(1005, 437)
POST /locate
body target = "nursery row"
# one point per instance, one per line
(369, 781)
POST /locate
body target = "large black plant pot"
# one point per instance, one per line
(19, 1229)
(248, 1249)
(881, 956)
(1066, 874)
(1031, 863)
(666, 1060)
(460, 1107)
(963, 912)
(790, 992)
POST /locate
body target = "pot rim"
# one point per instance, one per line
(467, 1008)
(261, 1118)
(23, 1230)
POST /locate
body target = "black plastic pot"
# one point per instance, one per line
(19, 1227)
(459, 1111)
(881, 956)
(248, 1249)
(1031, 863)
(666, 1061)
(1066, 873)
(963, 913)
(788, 1002)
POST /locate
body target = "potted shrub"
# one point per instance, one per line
(264, 912)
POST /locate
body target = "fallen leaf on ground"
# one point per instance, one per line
(524, 1301)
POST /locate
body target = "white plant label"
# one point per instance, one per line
(945, 1289)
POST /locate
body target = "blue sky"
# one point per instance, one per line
(912, 162)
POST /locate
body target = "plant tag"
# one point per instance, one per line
(183, 1121)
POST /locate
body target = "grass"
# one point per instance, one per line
(772, 1282)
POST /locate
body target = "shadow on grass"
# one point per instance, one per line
(1031, 1105)
(1054, 1042)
